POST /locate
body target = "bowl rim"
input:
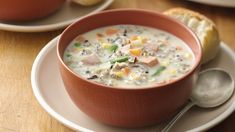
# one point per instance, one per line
(157, 14)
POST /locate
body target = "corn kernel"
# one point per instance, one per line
(165, 63)
(101, 40)
(134, 76)
(187, 55)
(136, 51)
(134, 37)
(106, 45)
(136, 43)
(144, 40)
(119, 74)
(172, 71)
(139, 38)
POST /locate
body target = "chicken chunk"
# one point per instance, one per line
(149, 61)
(91, 59)
(151, 47)
(125, 49)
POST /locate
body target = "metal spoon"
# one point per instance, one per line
(214, 87)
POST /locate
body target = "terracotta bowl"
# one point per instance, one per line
(22, 10)
(133, 107)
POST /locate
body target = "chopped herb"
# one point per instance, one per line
(133, 60)
(68, 55)
(135, 66)
(77, 44)
(92, 77)
(111, 67)
(120, 59)
(168, 38)
(87, 72)
(99, 35)
(125, 33)
(109, 40)
(159, 70)
(113, 48)
(116, 39)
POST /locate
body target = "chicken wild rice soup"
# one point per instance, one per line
(129, 56)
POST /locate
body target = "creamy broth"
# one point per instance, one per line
(129, 56)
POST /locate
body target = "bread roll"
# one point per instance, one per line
(203, 27)
(87, 2)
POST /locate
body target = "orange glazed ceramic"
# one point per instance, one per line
(22, 10)
(137, 107)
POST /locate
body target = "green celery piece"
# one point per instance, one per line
(159, 70)
(68, 55)
(113, 48)
(77, 44)
(120, 59)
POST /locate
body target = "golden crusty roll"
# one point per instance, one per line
(203, 27)
(87, 2)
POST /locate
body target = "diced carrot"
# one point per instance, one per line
(178, 48)
(80, 38)
(135, 51)
(144, 40)
(111, 31)
(126, 70)
(165, 42)
(134, 37)
(162, 82)
(75, 50)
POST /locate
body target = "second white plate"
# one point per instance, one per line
(69, 13)
(223, 3)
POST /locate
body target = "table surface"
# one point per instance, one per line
(19, 109)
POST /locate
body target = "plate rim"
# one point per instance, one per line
(36, 90)
(50, 27)
(37, 93)
(214, 3)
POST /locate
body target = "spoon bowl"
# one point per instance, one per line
(213, 88)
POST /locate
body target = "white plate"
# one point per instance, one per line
(51, 94)
(69, 13)
(224, 3)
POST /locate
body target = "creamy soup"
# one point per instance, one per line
(129, 56)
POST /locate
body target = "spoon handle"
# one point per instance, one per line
(178, 116)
